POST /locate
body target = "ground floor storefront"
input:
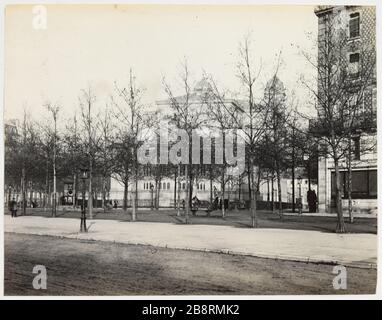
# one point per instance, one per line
(362, 181)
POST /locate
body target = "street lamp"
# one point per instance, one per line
(299, 180)
(84, 176)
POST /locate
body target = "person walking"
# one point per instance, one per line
(13, 208)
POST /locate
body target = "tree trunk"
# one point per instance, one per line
(31, 194)
(188, 183)
(268, 192)
(252, 194)
(279, 194)
(223, 193)
(179, 185)
(46, 195)
(135, 197)
(125, 193)
(133, 211)
(273, 193)
(74, 191)
(350, 184)
(103, 200)
(293, 186)
(23, 191)
(90, 199)
(211, 187)
(49, 195)
(253, 200)
(191, 184)
(157, 193)
(240, 184)
(95, 198)
(54, 207)
(175, 187)
(340, 218)
(249, 183)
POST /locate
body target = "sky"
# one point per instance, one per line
(96, 45)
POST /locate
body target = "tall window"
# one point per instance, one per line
(354, 25)
(354, 64)
(357, 148)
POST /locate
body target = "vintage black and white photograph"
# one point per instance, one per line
(190, 149)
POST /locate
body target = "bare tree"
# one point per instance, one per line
(252, 118)
(106, 153)
(188, 115)
(222, 113)
(132, 115)
(74, 154)
(275, 101)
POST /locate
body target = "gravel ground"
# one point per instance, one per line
(236, 218)
(100, 268)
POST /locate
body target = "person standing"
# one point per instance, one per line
(13, 208)
(312, 201)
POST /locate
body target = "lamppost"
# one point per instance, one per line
(84, 176)
(307, 161)
(299, 194)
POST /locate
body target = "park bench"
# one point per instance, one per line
(201, 205)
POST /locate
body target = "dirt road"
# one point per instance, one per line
(101, 268)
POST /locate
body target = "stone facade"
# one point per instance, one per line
(366, 165)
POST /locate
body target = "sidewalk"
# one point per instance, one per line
(356, 250)
(326, 214)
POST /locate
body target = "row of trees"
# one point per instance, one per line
(106, 140)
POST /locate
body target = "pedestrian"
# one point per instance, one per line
(13, 208)
(312, 200)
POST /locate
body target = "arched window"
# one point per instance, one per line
(168, 185)
(183, 186)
